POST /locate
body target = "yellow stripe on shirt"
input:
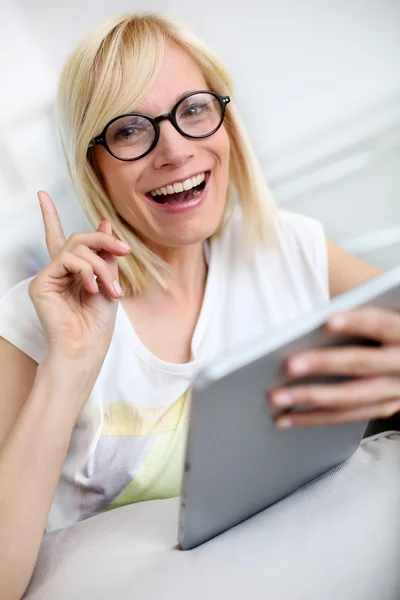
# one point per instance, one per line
(132, 419)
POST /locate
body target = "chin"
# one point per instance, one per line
(193, 232)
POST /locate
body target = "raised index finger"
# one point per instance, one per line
(55, 236)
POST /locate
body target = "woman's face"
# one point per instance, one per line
(174, 159)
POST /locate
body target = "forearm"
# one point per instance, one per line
(31, 461)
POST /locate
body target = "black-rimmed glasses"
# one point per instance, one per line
(133, 135)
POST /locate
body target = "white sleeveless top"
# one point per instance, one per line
(128, 444)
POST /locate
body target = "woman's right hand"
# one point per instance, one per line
(77, 312)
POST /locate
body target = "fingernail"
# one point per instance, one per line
(284, 423)
(282, 399)
(123, 246)
(117, 288)
(109, 228)
(299, 366)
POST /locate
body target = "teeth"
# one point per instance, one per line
(178, 187)
(186, 185)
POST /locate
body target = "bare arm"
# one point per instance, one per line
(346, 270)
(76, 299)
(33, 446)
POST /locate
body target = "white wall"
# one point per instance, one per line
(28, 84)
(300, 66)
(27, 74)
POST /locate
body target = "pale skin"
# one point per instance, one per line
(39, 405)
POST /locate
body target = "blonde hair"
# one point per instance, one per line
(96, 86)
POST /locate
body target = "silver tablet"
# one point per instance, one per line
(237, 463)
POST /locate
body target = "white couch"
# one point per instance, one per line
(338, 537)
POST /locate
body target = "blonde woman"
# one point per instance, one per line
(188, 258)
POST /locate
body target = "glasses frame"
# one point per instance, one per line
(155, 121)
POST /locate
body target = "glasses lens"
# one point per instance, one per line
(200, 114)
(130, 137)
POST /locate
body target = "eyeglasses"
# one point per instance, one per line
(132, 136)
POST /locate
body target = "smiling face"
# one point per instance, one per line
(176, 161)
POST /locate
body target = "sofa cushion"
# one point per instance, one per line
(337, 537)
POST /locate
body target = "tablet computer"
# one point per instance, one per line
(237, 463)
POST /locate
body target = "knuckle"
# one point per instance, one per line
(312, 394)
(307, 393)
(81, 249)
(87, 269)
(360, 363)
(102, 265)
(32, 286)
(320, 361)
(64, 255)
(73, 238)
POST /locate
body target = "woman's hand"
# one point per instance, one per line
(374, 394)
(76, 310)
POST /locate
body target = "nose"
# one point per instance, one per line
(173, 149)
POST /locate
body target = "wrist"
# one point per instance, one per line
(72, 378)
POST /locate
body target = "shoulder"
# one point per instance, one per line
(298, 253)
(291, 227)
(300, 230)
(298, 237)
(342, 269)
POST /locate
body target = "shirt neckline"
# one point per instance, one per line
(153, 361)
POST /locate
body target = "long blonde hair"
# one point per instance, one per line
(96, 86)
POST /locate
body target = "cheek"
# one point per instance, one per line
(118, 179)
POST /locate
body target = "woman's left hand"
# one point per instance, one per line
(373, 394)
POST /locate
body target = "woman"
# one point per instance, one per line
(99, 349)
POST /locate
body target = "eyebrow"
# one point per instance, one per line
(178, 97)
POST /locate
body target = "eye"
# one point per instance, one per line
(127, 132)
(195, 109)
(122, 133)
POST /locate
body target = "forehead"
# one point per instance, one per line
(178, 75)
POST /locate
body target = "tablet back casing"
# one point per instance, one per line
(238, 463)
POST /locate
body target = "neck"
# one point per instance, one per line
(186, 274)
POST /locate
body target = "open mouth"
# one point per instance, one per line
(177, 194)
